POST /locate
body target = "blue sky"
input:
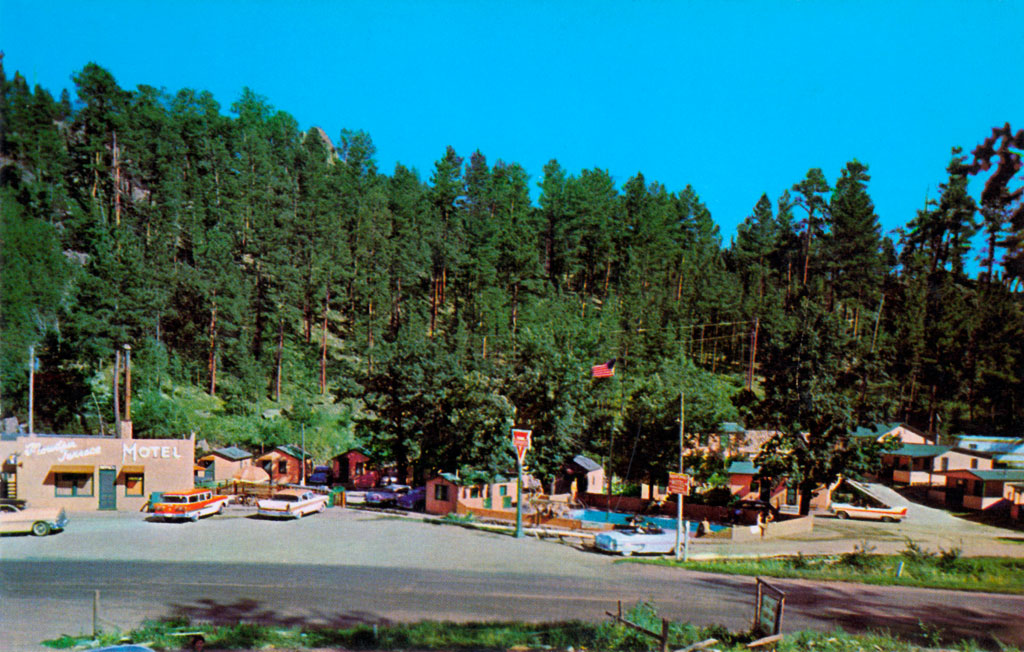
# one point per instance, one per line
(734, 98)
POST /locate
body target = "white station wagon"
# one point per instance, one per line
(292, 503)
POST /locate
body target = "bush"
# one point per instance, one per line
(915, 553)
(861, 557)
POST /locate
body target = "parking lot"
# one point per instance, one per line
(354, 565)
(353, 536)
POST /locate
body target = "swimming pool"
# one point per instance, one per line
(621, 518)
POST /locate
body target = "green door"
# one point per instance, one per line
(108, 497)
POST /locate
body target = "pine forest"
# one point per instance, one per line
(272, 281)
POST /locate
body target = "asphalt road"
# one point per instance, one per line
(345, 567)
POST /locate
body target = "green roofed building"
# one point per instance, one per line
(926, 464)
(981, 489)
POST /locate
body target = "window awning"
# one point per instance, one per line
(133, 468)
(71, 468)
(207, 458)
(196, 467)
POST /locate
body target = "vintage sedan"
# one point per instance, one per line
(644, 539)
(40, 521)
(415, 500)
(188, 505)
(386, 495)
(292, 503)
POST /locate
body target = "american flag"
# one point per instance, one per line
(603, 370)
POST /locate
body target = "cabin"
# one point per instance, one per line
(1015, 494)
(580, 475)
(741, 479)
(980, 489)
(223, 464)
(355, 470)
(926, 464)
(1006, 452)
(284, 464)
(448, 493)
(904, 433)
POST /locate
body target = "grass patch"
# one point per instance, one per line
(914, 566)
(607, 636)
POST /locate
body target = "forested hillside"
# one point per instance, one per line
(270, 280)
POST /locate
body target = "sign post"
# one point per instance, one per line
(679, 484)
(521, 439)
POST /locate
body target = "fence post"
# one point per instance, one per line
(664, 635)
(95, 613)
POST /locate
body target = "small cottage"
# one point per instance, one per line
(1005, 451)
(284, 464)
(1015, 494)
(448, 493)
(980, 489)
(354, 469)
(926, 464)
(904, 433)
(224, 463)
(580, 475)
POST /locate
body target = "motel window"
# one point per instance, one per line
(474, 492)
(441, 492)
(73, 484)
(974, 463)
(945, 463)
(134, 485)
(503, 490)
(282, 466)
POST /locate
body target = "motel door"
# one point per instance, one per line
(108, 497)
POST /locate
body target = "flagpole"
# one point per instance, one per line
(679, 497)
(519, 497)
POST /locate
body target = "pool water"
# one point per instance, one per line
(621, 518)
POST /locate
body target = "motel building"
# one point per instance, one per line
(89, 472)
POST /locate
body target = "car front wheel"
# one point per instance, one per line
(40, 529)
(842, 515)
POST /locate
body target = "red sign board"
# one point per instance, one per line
(678, 483)
(521, 440)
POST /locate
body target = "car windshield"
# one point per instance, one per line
(286, 498)
(175, 499)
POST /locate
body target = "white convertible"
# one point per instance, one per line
(648, 539)
(292, 503)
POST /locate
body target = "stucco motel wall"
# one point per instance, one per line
(33, 462)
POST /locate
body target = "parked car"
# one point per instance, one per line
(643, 539)
(386, 495)
(854, 499)
(415, 499)
(320, 477)
(292, 503)
(188, 505)
(862, 510)
(40, 521)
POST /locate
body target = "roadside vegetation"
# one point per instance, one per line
(179, 633)
(913, 566)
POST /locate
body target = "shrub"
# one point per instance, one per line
(915, 553)
(861, 557)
